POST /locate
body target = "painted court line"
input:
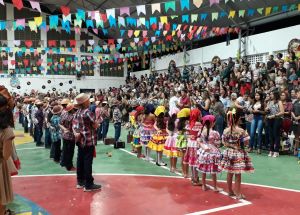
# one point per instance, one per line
(22, 149)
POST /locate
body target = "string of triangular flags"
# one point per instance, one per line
(94, 19)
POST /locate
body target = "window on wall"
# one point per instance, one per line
(62, 38)
(112, 70)
(61, 64)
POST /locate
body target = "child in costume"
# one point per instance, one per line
(181, 140)
(170, 149)
(191, 157)
(136, 124)
(158, 139)
(147, 128)
(235, 158)
(55, 133)
(209, 156)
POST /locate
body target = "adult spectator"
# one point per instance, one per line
(271, 65)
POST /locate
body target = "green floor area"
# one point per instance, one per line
(281, 172)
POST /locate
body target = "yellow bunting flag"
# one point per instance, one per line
(231, 14)
(164, 19)
(268, 11)
(38, 20)
(32, 26)
(173, 33)
(298, 7)
(62, 60)
(137, 33)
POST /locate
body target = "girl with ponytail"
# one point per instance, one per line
(191, 157)
(209, 156)
(170, 149)
(235, 159)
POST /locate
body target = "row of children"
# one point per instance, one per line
(187, 135)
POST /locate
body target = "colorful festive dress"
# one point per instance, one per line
(209, 156)
(146, 131)
(235, 159)
(191, 156)
(170, 149)
(157, 141)
(181, 141)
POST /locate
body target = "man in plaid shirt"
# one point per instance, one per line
(85, 131)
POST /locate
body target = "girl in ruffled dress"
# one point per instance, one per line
(159, 137)
(209, 156)
(235, 158)
(183, 117)
(170, 149)
(191, 157)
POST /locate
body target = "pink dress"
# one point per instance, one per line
(191, 156)
(170, 148)
(209, 159)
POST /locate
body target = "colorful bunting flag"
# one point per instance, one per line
(18, 4)
(35, 5)
(214, 16)
(65, 10)
(185, 4)
(155, 7)
(124, 10)
(242, 13)
(80, 15)
(212, 2)
(38, 21)
(170, 5)
(141, 9)
(197, 3)
(231, 14)
(268, 11)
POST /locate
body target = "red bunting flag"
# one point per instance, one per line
(65, 10)
(111, 41)
(52, 43)
(28, 43)
(26, 62)
(103, 17)
(72, 43)
(18, 4)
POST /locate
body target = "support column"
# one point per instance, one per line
(44, 42)
(10, 34)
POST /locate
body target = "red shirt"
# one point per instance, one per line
(185, 101)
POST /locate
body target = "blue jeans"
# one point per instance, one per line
(105, 125)
(99, 132)
(274, 126)
(256, 124)
(219, 126)
(117, 131)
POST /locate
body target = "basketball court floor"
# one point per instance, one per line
(133, 186)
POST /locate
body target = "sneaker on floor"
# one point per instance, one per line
(92, 188)
(79, 186)
(270, 154)
(275, 155)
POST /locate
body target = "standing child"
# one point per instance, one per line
(209, 156)
(55, 133)
(191, 157)
(158, 139)
(117, 119)
(147, 128)
(136, 123)
(170, 149)
(235, 158)
(181, 140)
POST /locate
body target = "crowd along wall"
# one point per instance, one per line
(263, 43)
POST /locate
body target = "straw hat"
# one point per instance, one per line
(97, 103)
(57, 109)
(81, 98)
(92, 100)
(104, 102)
(69, 107)
(65, 101)
(39, 103)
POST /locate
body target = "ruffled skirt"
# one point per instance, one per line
(209, 161)
(157, 142)
(170, 149)
(236, 161)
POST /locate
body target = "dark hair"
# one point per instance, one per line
(181, 123)
(171, 122)
(207, 125)
(160, 122)
(276, 95)
(217, 97)
(6, 114)
(233, 119)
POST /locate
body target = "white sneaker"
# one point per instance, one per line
(275, 155)
(271, 154)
